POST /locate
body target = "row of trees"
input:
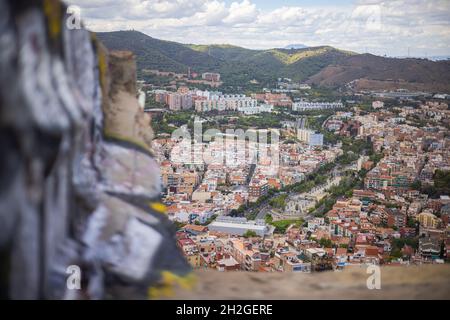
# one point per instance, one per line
(441, 185)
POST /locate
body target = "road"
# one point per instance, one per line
(335, 177)
(263, 212)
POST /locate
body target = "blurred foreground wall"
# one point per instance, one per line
(78, 184)
(396, 282)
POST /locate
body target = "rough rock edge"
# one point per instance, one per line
(397, 282)
(58, 105)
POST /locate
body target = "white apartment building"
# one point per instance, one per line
(310, 137)
(207, 94)
(304, 134)
(225, 102)
(305, 105)
(255, 110)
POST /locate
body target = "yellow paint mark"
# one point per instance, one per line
(102, 67)
(169, 280)
(52, 10)
(158, 207)
(119, 137)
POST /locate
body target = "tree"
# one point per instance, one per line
(416, 185)
(411, 222)
(282, 225)
(326, 243)
(279, 202)
(179, 225)
(442, 181)
(269, 219)
(396, 253)
(249, 234)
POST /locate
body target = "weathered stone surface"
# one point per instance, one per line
(70, 193)
(121, 237)
(414, 282)
(124, 118)
(125, 170)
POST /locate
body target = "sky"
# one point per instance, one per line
(420, 28)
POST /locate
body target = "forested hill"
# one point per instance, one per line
(323, 66)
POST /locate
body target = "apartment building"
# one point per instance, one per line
(210, 76)
(248, 257)
(233, 102)
(161, 96)
(228, 263)
(288, 261)
(258, 188)
(427, 219)
(305, 105)
(275, 99)
(310, 137)
(248, 110)
(178, 101)
(190, 251)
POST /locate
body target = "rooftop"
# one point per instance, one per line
(238, 225)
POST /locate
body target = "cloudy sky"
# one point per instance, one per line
(380, 27)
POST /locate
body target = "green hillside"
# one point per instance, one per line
(236, 64)
(323, 66)
(158, 54)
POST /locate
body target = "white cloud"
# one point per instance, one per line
(213, 14)
(243, 12)
(378, 26)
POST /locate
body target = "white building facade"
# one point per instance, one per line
(306, 106)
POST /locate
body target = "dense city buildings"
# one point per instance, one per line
(392, 209)
(386, 218)
(208, 101)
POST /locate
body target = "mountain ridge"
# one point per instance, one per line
(296, 46)
(321, 66)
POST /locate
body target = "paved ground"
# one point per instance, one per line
(414, 282)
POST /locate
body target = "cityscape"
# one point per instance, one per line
(247, 151)
(350, 182)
